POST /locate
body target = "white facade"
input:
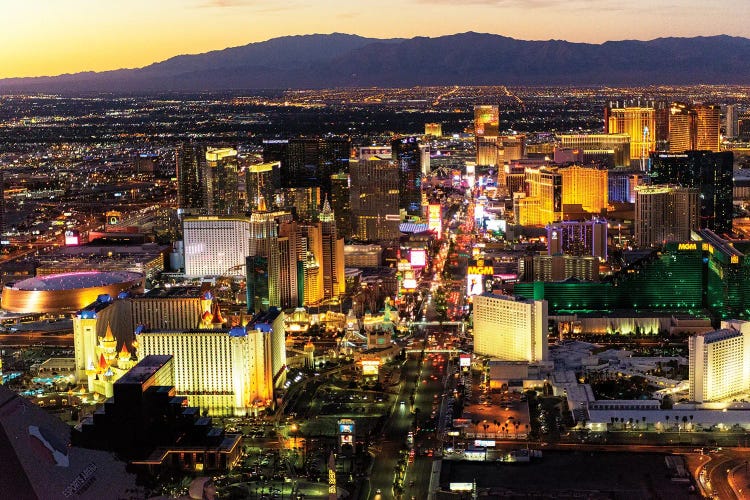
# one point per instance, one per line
(216, 246)
(510, 329)
(719, 364)
(223, 372)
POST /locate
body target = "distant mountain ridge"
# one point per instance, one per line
(341, 60)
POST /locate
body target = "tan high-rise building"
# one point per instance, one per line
(639, 123)
(587, 187)
(312, 238)
(665, 213)
(682, 127)
(618, 144)
(486, 131)
(433, 129)
(544, 203)
(708, 127)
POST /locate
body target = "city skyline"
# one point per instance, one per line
(51, 38)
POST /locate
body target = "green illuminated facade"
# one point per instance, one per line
(711, 274)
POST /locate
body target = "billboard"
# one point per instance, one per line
(484, 443)
(370, 367)
(435, 219)
(418, 257)
(72, 238)
(464, 360)
(474, 284)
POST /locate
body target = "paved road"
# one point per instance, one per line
(394, 435)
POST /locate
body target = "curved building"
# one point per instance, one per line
(56, 293)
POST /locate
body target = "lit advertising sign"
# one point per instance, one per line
(687, 246)
(464, 360)
(484, 443)
(410, 284)
(474, 284)
(404, 266)
(486, 270)
(435, 219)
(418, 258)
(72, 238)
(461, 486)
(370, 367)
(346, 426)
(346, 439)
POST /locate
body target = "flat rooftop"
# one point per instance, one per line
(145, 369)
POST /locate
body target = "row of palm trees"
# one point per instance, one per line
(510, 425)
(634, 423)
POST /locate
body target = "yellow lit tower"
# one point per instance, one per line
(486, 131)
(708, 126)
(638, 122)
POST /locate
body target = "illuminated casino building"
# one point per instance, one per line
(215, 246)
(68, 292)
(510, 328)
(224, 371)
(711, 274)
(486, 132)
(148, 424)
(637, 122)
(407, 155)
(682, 127)
(433, 129)
(708, 127)
(544, 203)
(719, 363)
(591, 145)
(584, 187)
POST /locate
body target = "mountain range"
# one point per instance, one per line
(342, 60)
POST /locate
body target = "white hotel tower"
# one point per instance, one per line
(719, 362)
(510, 328)
(216, 246)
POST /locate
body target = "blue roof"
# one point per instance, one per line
(237, 331)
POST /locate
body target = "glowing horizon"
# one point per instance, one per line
(52, 37)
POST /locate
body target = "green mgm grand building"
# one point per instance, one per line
(708, 273)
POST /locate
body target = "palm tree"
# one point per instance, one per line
(666, 417)
(497, 425)
(485, 426)
(476, 426)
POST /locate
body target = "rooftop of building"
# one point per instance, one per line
(38, 460)
(509, 298)
(719, 335)
(182, 292)
(265, 317)
(145, 369)
(76, 280)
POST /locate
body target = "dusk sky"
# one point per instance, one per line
(49, 37)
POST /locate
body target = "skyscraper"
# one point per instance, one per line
(665, 213)
(619, 144)
(261, 181)
(731, 121)
(309, 162)
(191, 181)
(374, 199)
(639, 123)
(341, 204)
(333, 255)
(718, 363)
(710, 173)
(509, 328)
(587, 187)
(544, 203)
(708, 127)
(486, 132)
(222, 181)
(407, 156)
(215, 246)
(682, 127)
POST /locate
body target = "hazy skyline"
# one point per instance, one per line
(50, 37)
